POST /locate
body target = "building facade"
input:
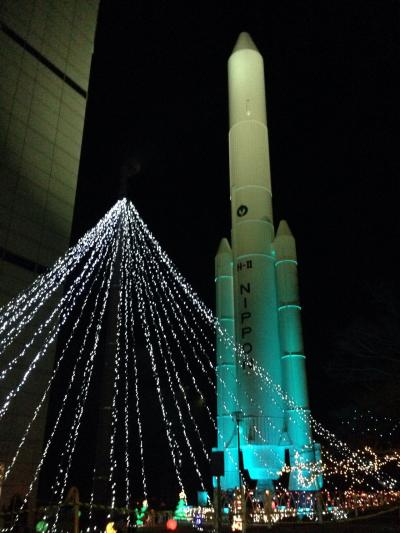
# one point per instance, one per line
(46, 49)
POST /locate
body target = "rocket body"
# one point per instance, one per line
(262, 298)
(256, 328)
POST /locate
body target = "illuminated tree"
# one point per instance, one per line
(180, 511)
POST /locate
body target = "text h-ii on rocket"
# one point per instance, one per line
(263, 422)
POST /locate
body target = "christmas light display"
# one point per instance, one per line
(181, 508)
(140, 513)
(176, 337)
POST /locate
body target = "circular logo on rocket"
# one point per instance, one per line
(242, 210)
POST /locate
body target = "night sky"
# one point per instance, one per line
(158, 103)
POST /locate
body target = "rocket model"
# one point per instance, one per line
(258, 306)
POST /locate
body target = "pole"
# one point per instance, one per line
(76, 515)
(73, 499)
(239, 465)
(218, 506)
(239, 416)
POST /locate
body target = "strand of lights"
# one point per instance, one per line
(173, 447)
(186, 328)
(159, 321)
(162, 294)
(171, 297)
(8, 313)
(172, 301)
(71, 295)
(53, 376)
(160, 335)
(117, 363)
(91, 501)
(60, 311)
(131, 324)
(207, 313)
(125, 370)
(88, 331)
(164, 259)
(159, 277)
(48, 443)
(62, 477)
(54, 315)
(159, 332)
(130, 262)
(179, 319)
(57, 487)
(149, 319)
(14, 314)
(87, 380)
(174, 292)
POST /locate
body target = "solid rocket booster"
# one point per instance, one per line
(302, 450)
(256, 319)
(293, 358)
(226, 363)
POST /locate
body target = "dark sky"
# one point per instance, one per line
(158, 97)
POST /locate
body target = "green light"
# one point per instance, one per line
(140, 514)
(42, 525)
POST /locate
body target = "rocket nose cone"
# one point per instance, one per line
(224, 247)
(244, 42)
(283, 229)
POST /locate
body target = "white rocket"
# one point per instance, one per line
(265, 300)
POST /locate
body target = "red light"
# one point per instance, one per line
(172, 524)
